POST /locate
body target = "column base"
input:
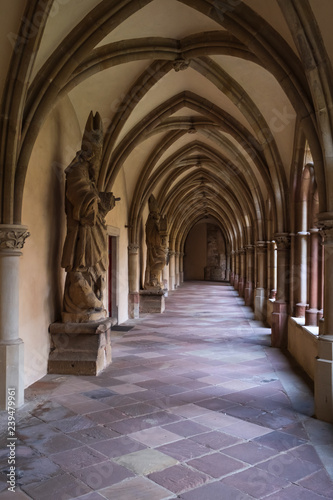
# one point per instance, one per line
(300, 310)
(323, 384)
(12, 373)
(279, 336)
(134, 305)
(80, 348)
(152, 302)
(311, 317)
(241, 287)
(248, 294)
(236, 282)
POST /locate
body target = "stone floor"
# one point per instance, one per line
(196, 405)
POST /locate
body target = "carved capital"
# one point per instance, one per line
(12, 236)
(133, 249)
(283, 241)
(242, 251)
(261, 246)
(249, 249)
(180, 64)
(172, 253)
(326, 231)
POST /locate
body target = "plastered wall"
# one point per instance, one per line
(41, 276)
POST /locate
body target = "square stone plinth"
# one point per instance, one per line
(151, 301)
(80, 348)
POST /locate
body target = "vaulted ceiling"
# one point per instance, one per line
(201, 102)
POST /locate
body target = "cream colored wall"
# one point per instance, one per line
(195, 253)
(41, 277)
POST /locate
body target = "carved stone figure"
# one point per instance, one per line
(156, 247)
(85, 255)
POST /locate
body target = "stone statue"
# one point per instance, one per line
(156, 247)
(85, 253)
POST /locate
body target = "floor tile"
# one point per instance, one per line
(92, 435)
(250, 452)
(215, 440)
(187, 428)
(117, 446)
(295, 492)
(256, 482)
(184, 449)
(155, 436)
(287, 466)
(178, 478)
(215, 491)
(31, 470)
(61, 487)
(78, 458)
(146, 461)
(103, 474)
(216, 465)
(320, 483)
(139, 488)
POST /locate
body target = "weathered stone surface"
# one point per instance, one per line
(152, 302)
(80, 348)
(85, 256)
(156, 247)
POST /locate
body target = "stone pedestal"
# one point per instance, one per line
(152, 301)
(279, 337)
(248, 294)
(80, 348)
(260, 304)
(323, 389)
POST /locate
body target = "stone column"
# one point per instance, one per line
(248, 292)
(227, 270)
(177, 278)
(181, 267)
(237, 268)
(241, 283)
(301, 248)
(323, 383)
(12, 238)
(232, 271)
(165, 274)
(172, 277)
(271, 282)
(311, 314)
(279, 336)
(133, 281)
(260, 301)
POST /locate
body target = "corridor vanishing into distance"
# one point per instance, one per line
(195, 405)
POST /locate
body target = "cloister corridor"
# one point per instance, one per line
(195, 405)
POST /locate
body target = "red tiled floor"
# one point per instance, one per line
(199, 383)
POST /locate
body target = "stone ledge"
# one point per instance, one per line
(95, 327)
